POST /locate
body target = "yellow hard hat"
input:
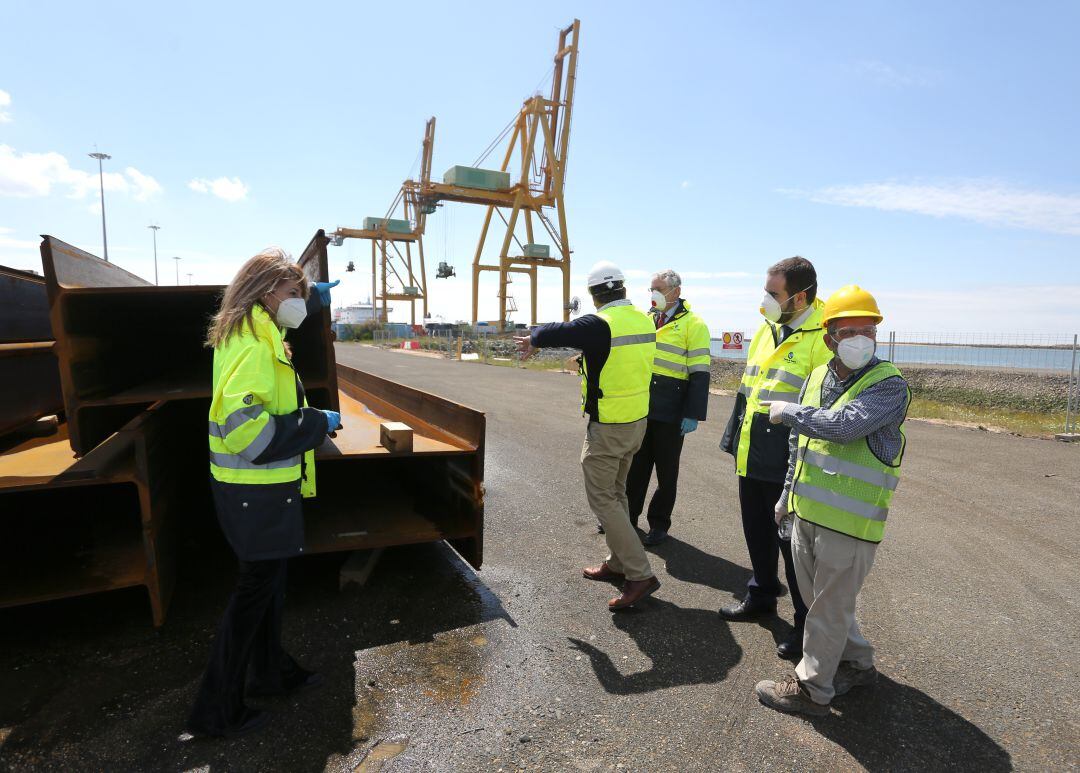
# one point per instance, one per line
(850, 301)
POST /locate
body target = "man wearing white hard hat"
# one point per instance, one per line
(618, 345)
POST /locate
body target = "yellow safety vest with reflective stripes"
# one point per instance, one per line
(844, 486)
(778, 371)
(624, 380)
(682, 346)
(253, 381)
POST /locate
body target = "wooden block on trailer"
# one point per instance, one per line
(396, 436)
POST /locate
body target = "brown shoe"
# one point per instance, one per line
(790, 697)
(634, 591)
(603, 573)
(848, 676)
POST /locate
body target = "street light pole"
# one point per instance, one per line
(177, 270)
(189, 279)
(155, 229)
(101, 182)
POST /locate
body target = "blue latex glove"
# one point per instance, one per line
(333, 421)
(324, 290)
(688, 426)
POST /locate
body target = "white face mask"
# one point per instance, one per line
(659, 301)
(291, 312)
(771, 308)
(856, 351)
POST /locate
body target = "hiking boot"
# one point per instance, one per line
(848, 676)
(790, 697)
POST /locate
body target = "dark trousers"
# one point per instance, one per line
(661, 448)
(757, 499)
(248, 638)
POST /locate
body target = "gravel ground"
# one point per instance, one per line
(433, 667)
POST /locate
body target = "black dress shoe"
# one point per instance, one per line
(256, 719)
(308, 680)
(748, 609)
(654, 537)
(251, 720)
(791, 647)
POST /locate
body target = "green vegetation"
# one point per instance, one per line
(1007, 419)
(364, 332)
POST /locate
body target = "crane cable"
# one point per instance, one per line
(506, 130)
(495, 142)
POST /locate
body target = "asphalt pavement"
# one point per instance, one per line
(433, 667)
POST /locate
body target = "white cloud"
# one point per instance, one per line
(984, 201)
(8, 241)
(887, 75)
(685, 184)
(5, 102)
(227, 188)
(143, 186)
(29, 175)
(19, 253)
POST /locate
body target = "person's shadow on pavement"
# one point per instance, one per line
(691, 564)
(893, 726)
(686, 646)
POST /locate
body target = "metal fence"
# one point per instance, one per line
(1039, 371)
(1046, 352)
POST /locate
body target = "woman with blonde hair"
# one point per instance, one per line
(262, 438)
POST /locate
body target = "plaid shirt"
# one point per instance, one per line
(876, 414)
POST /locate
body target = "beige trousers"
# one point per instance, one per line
(605, 461)
(830, 568)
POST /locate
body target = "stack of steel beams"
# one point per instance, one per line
(30, 387)
(95, 506)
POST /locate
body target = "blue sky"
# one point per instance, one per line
(924, 150)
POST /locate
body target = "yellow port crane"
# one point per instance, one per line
(391, 268)
(539, 135)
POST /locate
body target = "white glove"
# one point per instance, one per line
(776, 410)
(780, 510)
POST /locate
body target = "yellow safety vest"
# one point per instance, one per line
(778, 372)
(844, 486)
(682, 346)
(624, 380)
(253, 381)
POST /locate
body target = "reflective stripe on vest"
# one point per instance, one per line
(834, 464)
(682, 346)
(788, 378)
(844, 486)
(636, 338)
(776, 372)
(237, 462)
(624, 379)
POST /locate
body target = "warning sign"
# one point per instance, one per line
(732, 340)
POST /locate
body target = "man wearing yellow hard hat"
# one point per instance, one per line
(846, 445)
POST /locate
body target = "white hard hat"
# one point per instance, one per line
(605, 273)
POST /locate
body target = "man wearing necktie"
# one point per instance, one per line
(783, 352)
(678, 399)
